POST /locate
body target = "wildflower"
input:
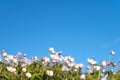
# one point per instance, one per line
(51, 50)
(54, 60)
(49, 73)
(78, 66)
(71, 64)
(82, 77)
(64, 58)
(112, 52)
(71, 59)
(46, 59)
(104, 64)
(28, 74)
(23, 65)
(34, 58)
(15, 60)
(24, 69)
(90, 71)
(54, 57)
(65, 69)
(28, 62)
(4, 54)
(6, 59)
(66, 61)
(10, 57)
(91, 61)
(11, 69)
(97, 67)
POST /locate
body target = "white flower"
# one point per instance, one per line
(78, 66)
(34, 58)
(28, 74)
(64, 58)
(54, 57)
(4, 54)
(11, 69)
(71, 64)
(46, 59)
(51, 50)
(82, 77)
(49, 73)
(71, 59)
(60, 59)
(6, 59)
(91, 61)
(24, 69)
(28, 62)
(67, 62)
(15, 60)
(97, 67)
(65, 68)
(112, 52)
(54, 60)
(90, 71)
(10, 57)
(23, 65)
(104, 63)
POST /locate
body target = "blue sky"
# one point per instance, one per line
(80, 28)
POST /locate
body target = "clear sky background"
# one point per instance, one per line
(80, 28)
